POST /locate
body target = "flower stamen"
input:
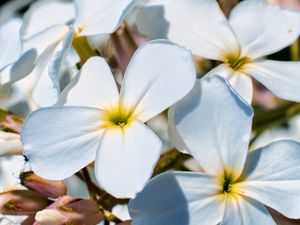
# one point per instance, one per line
(237, 63)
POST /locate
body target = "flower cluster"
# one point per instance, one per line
(149, 112)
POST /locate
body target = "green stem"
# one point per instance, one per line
(265, 119)
(89, 184)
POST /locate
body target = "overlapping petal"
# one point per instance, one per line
(219, 143)
(245, 211)
(272, 176)
(126, 159)
(101, 17)
(282, 78)
(159, 74)
(67, 142)
(47, 89)
(178, 198)
(262, 28)
(93, 87)
(242, 83)
(46, 14)
(199, 25)
(10, 47)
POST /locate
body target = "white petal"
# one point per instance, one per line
(47, 89)
(93, 87)
(158, 75)
(21, 68)
(46, 39)
(10, 144)
(10, 43)
(242, 83)
(59, 141)
(245, 211)
(36, 54)
(101, 17)
(263, 29)
(45, 14)
(272, 176)
(282, 78)
(126, 159)
(173, 134)
(178, 198)
(218, 142)
(199, 25)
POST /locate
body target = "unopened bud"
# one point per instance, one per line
(21, 202)
(49, 188)
(10, 122)
(10, 144)
(67, 210)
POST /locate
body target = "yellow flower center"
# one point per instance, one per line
(118, 117)
(227, 184)
(236, 62)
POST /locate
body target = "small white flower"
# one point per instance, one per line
(254, 29)
(109, 126)
(215, 124)
(48, 32)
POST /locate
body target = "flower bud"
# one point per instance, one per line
(68, 210)
(10, 144)
(49, 188)
(10, 122)
(21, 202)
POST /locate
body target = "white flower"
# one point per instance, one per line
(109, 126)
(254, 29)
(48, 33)
(215, 124)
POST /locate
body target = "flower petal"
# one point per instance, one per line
(45, 14)
(35, 56)
(242, 83)
(178, 198)
(282, 78)
(101, 17)
(219, 142)
(47, 89)
(245, 211)
(94, 86)
(199, 25)
(59, 141)
(10, 43)
(263, 29)
(126, 159)
(158, 70)
(272, 182)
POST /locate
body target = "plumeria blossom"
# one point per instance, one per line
(215, 124)
(254, 29)
(98, 122)
(51, 28)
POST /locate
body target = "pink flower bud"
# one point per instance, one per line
(21, 202)
(49, 188)
(68, 210)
